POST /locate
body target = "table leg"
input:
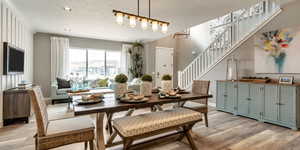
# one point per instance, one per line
(114, 133)
(99, 131)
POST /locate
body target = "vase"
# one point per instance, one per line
(166, 85)
(120, 89)
(146, 88)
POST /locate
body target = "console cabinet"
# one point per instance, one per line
(270, 102)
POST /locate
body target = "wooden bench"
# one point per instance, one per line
(133, 128)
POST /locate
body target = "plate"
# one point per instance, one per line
(86, 102)
(134, 101)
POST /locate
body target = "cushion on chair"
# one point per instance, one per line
(145, 123)
(69, 126)
(196, 106)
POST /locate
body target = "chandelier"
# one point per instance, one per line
(144, 21)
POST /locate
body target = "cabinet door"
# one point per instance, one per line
(256, 100)
(221, 93)
(243, 99)
(231, 98)
(270, 103)
(287, 101)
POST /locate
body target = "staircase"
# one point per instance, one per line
(245, 23)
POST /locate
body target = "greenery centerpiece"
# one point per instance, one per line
(121, 85)
(146, 86)
(166, 82)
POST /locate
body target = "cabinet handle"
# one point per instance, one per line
(279, 104)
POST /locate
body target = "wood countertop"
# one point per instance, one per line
(272, 82)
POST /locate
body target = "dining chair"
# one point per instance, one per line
(52, 134)
(201, 105)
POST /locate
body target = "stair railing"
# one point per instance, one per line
(234, 33)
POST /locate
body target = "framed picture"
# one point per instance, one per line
(286, 80)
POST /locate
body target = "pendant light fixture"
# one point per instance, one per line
(144, 21)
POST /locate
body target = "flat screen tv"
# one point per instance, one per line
(13, 59)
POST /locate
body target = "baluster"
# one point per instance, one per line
(198, 66)
(193, 70)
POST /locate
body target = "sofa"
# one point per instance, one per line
(60, 95)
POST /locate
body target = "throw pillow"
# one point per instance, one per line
(62, 83)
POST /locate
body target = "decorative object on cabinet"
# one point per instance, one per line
(16, 105)
(267, 102)
(286, 79)
(256, 79)
(232, 69)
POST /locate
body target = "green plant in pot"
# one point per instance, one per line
(121, 85)
(166, 82)
(146, 86)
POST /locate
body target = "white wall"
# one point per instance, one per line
(13, 29)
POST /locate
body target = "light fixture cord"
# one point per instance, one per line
(138, 3)
(149, 8)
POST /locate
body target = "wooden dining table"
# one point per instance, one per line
(110, 105)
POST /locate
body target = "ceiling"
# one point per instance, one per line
(94, 18)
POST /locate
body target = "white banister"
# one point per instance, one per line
(235, 32)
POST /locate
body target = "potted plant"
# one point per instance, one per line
(166, 82)
(146, 85)
(121, 85)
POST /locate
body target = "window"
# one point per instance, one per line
(96, 64)
(113, 63)
(77, 58)
(93, 63)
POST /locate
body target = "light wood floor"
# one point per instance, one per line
(225, 131)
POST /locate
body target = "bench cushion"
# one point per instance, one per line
(145, 123)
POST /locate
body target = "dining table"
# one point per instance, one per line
(111, 105)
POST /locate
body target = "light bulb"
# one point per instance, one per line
(119, 18)
(144, 24)
(154, 26)
(164, 28)
(132, 21)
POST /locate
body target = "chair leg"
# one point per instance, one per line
(127, 144)
(190, 139)
(91, 142)
(85, 145)
(206, 120)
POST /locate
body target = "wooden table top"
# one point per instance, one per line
(110, 104)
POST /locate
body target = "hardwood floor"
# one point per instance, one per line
(225, 131)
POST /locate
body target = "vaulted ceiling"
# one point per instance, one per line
(94, 18)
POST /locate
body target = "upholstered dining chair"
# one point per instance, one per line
(201, 105)
(52, 134)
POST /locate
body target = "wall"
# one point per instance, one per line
(13, 29)
(42, 52)
(185, 49)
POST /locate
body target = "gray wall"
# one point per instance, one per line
(42, 53)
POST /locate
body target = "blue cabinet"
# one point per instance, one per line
(227, 96)
(273, 103)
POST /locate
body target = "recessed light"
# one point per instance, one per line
(66, 8)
